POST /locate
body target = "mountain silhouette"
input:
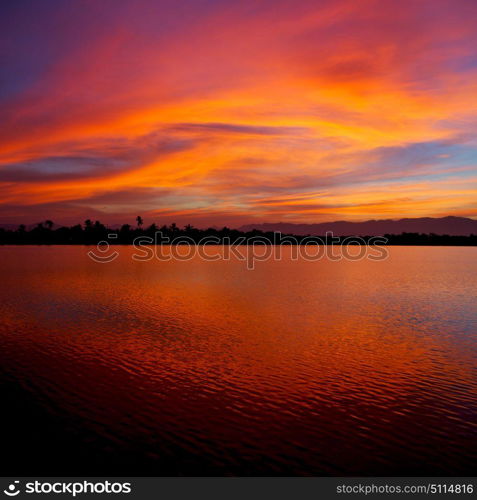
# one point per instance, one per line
(455, 226)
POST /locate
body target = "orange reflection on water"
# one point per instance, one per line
(295, 367)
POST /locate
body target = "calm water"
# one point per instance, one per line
(205, 368)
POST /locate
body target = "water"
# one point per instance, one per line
(206, 368)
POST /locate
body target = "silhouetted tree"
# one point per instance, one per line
(139, 221)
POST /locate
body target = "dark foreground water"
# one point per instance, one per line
(206, 368)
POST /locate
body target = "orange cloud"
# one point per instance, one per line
(245, 111)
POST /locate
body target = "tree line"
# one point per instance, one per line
(92, 233)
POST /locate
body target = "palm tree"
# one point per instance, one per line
(139, 221)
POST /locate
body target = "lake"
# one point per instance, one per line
(206, 368)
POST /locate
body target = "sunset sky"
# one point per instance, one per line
(216, 112)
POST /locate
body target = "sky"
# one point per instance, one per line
(226, 112)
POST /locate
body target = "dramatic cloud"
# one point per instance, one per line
(221, 112)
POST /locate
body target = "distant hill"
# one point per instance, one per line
(457, 226)
(14, 227)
